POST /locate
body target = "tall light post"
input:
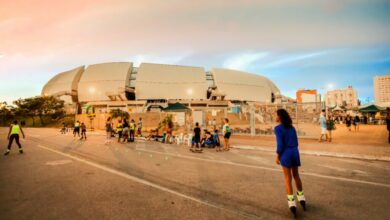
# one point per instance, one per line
(326, 89)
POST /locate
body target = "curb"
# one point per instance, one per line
(320, 153)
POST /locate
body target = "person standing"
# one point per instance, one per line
(288, 157)
(348, 122)
(330, 126)
(108, 131)
(139, 127)
(13, 133)
(227, 132)
(76, 129)
(125, 132)
(388, 125)
(63, 129)
(83, 131)
(356, 123)
(119, 130)
(196, 138)
(323, 126)
(132, 130)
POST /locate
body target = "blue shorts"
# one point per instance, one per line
(207, 142)
(290, 158)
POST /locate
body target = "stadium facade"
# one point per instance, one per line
(151, 87)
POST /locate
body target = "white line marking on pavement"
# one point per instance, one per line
(58, 162)
(334, 168)
(319, 153)
(147, 183)
(273, 169)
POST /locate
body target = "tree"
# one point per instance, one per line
(26, 108)
(118, 113)
(40, 106)
(6, 113)
(50, 106)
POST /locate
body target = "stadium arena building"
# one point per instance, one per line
(152, 87)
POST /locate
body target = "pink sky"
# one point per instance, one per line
(41, 38)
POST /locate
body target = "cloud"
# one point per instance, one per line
(1, 55)
(295, 58)
(163, 59)
(243, 61)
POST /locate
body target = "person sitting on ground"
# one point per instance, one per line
(151, 136)
(209, 141)
(203, 138)
(217, 141)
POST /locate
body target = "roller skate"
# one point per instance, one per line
(301, 200)
(292, 205)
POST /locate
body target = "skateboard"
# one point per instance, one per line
(195, 150)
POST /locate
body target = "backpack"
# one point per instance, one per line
(228, 130)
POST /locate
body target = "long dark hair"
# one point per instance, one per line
(285, 118)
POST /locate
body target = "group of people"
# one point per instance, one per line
(211, 140)
(355, 121)
(77, 128)
(327, 126)
(124, 129)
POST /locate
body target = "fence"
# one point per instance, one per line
(260, 119)
(246, 120)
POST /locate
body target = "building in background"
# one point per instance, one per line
(342, 97)
(152, 87)
(307, 96)
(382, 90)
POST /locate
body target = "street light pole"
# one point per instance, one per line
(326, 98)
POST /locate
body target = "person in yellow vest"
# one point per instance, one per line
(14, 130)
(132, 130)
(119, 130)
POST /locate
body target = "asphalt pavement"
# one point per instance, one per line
(61, 177)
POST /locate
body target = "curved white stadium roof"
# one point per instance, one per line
(101, 80)
(109, 81)
(159, 81)
(64, 85)
(243, 86)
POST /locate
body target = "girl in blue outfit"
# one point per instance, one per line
(288, 157)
